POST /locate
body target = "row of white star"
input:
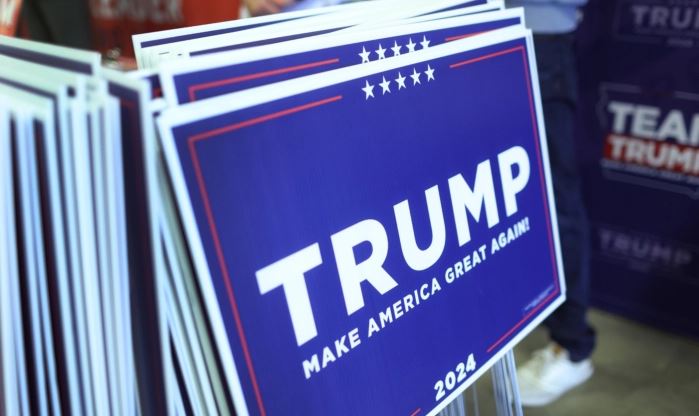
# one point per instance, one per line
(385, 84)
(381, 52)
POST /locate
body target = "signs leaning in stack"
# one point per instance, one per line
(81, 235)
(345, 211)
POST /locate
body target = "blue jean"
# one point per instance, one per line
(568, 325)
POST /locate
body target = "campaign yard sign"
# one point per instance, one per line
(371, 239)
(205, 77)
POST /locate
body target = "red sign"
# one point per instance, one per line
(115, 21)
(9, 14)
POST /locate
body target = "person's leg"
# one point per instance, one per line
(568, 325)
(557, 74)
(558, 368)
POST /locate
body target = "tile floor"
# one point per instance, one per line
(639, 371)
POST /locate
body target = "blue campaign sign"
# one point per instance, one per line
(188, 81)
(50, 55)
(370, 240)
(373, 13)
(353, 16)
(138, 149)
(144, 41)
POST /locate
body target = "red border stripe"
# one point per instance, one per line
(198, 87)
(484, 57)
(212, 225)
(262, 119)
(467, 35)
(541, 178)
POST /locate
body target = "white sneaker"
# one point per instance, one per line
(549, 374)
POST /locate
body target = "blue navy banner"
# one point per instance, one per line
(371, 239)
(639, 153)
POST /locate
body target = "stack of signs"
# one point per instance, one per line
(78, 229)
(348, 211)
(367, 209)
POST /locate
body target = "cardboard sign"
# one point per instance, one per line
(210, 76)
(58, 57)
(371, 239)
(355, 16)
(98, 201)
(143, 41)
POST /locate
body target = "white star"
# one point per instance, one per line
(381, 52)
(396, 48)
(430, 73)
(368, 90)
(415, 76)
(425, 43)
(410, 45)
(364, 55)
(401, 81)
(384, 86)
